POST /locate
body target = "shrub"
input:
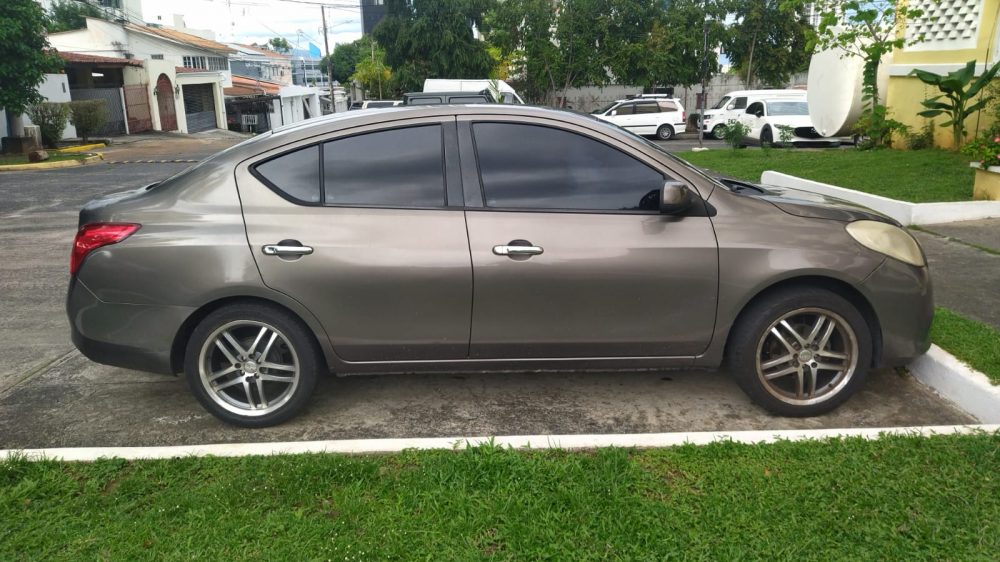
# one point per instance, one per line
(923, 139)
(985, 148)
(734, 133)
(88, 116)
(875, 129)
(51, 120)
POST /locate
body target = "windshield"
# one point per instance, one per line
(722, 103)
(605, 109)
(787, 108)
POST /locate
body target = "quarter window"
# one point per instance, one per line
(296, 174)
(535, 167)
(396, 168)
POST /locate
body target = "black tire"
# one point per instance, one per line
(751, 336)
(766, 137)
(665, 132)
(718, 131)
(295, 343)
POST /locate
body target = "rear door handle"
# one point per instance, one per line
(279, 250)
(517, 250)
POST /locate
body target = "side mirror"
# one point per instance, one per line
(759, 113)
(675, 198)
(613, 112)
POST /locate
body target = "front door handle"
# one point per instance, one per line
(509, 250)
(283, 250)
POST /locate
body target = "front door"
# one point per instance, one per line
(572, 258)
(357, 228)
(165, 104)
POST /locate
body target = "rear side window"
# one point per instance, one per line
(395, 168)
(424, 101)
(650, 107)
(295, 175)
(668, 106)
(534, 167)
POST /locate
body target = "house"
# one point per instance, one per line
(260, 63)
(183, 74)
(255, 105)
(954, 32)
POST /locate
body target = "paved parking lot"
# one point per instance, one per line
(52, 396)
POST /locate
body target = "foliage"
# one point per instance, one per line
(985, 148)
(785, 133)
(372, 72)
(923, 139)
(280, 44)
(433, 39)
(924, 176)
(958, 89)
(88, 116)
(767, 41)
(51, 120)
(522, 32)
(345, 58)
(734, 133)
(66, 15)
(973, 342)
(24, 54)
(875, 129)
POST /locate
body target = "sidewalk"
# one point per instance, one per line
(965, 266)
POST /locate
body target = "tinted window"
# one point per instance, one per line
(626, 109)
(398, 168)
(755, 108)
(468, 99)
(424, 101)
(376, 104)
(532, 167)
(295, 174)
(647, 108)
(740, 103)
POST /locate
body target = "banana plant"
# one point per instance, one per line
(958, 89)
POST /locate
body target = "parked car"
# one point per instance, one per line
(307, 250)
(439, 98)
(662, 118)
(500, 90)
(734, 104)
(782, 121)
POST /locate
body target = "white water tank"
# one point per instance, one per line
(834, 92)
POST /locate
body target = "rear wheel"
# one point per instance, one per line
(800, 352)
(252, 365)
(665, 132)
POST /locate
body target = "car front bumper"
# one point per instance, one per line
(132, 336)
(903, 302)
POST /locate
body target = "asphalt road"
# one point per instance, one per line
(52, 396)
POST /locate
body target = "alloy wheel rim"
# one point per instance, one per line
(807, 356)
(249, 368)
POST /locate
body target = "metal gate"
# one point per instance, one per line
(137, 108)
(115, 125)
(165, 103)
(199, 107)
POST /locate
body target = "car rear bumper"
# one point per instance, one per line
(132, 336)
(903, 302)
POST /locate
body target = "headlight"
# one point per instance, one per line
(887, 239)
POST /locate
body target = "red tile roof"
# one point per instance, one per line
(246, 86)
(181, 37)
(95, 59)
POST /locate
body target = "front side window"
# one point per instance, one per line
(395, 168)
(540, 168)
(625, 109)
(740, 103)
(756, 108)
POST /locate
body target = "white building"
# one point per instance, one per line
(184, 74)
(263, 64)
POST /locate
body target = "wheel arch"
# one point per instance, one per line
(179, 345)
(832, 284)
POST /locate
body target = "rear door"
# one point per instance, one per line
(647, 118)
(357, 226)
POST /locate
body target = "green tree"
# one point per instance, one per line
(372, 72)
(88, 116)
(521, 30)
(767, 42)
(958, 89)
(345, 58)
(66, 15)
(24, 54)
(433, 39)
(50, 119)
(280, 44)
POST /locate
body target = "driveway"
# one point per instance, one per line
(52, 396)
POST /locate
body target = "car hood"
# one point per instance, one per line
(790, 120)
(813, 205)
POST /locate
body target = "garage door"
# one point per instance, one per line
(199, 107)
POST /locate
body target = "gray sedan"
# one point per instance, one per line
(485, 237)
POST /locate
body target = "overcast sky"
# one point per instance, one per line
(249, 21)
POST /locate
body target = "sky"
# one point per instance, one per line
(250, 21)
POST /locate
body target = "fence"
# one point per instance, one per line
(113, 100)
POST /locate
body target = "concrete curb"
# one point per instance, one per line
(903, 211)
(568, 442)
(82, 147)
(956, 381)
(51, 165)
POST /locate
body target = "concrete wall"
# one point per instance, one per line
(55, 88)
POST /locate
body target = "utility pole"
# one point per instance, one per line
(329, 62)
(704, 78)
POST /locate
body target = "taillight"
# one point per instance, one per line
(684, 116)
(92, 236)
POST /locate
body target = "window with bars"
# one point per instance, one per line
(218, 63)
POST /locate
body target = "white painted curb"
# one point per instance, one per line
(355, 446)
(956, 381)
(905, 212)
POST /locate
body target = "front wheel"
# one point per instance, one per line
(718, 131)
(800, 352)
(252, 365)
(766, 137)
(665, 132)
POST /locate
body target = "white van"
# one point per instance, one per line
(507, 93)
(734, 104)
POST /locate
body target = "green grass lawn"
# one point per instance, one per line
(899, 498)
(11, 159)
(919, 176)
(974, 343)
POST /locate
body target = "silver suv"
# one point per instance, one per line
(490, 237)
